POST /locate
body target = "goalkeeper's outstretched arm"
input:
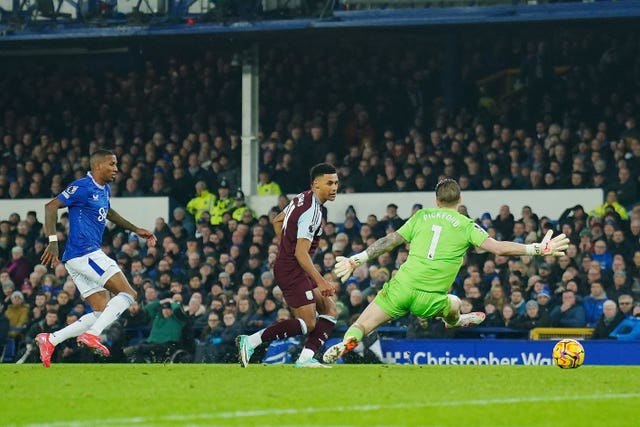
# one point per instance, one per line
(384, 244)
(345, 266)
(547, 246)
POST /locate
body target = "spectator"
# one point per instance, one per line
(620, 285)
(18, 266)
(202, 202)
(496, 297)
(493, 317)
(543, 298)
(625, 305)
(610, 205)
(222, 205)
(504, 223)
(517, 301)
(18, 314)
(7, 289)
(227, 349)
(508, 315)
(608, 321)
(166, 328)
(594, 304)
(629, 328)
(266, 186)
(392, 220)
(207, 349)
(240, 207)
(602, 254)
(532, 318)
(570, 314)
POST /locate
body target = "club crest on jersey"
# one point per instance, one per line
(309, 295)
(69, 191)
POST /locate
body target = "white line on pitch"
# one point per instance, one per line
(146, 420)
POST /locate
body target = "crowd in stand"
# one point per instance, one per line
(174, 129)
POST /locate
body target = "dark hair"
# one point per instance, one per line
(321, 169)
(448, 191)
(99, 155)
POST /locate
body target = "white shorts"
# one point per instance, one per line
(91, 271)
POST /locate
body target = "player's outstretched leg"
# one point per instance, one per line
(245, 350)
(466, 320)
(46, 349)
(93, 342)
(336, 351)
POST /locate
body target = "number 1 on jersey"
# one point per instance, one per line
(434, 241)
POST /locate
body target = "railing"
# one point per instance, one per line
(413, 4)
(560, 333)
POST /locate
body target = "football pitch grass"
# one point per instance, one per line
(346, 395)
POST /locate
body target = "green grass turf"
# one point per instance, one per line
(346, 395)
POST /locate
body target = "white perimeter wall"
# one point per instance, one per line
(549, 203)
(143, 211)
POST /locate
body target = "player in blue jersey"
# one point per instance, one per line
(93, 272)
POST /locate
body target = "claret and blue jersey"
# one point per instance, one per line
(88, 204)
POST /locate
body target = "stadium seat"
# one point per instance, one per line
(8, 352)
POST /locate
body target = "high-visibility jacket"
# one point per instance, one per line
(269, 189)
(237, 212)
(201, 204)
(219, 208)
(601, 210)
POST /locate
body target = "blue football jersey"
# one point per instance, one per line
(88, 204)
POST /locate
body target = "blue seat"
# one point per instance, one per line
(9, 351)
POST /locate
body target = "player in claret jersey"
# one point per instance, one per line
(93, 272)
(439, 239)
(304, 289)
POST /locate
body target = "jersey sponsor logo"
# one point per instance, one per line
(102, 214)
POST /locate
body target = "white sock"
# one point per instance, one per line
(305, 355)
(376, 348)
(256, 338)
(76, 328)
(112, 311)
(359, 350)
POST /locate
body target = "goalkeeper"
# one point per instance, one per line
(439, 240)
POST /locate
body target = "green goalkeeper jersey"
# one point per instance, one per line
(439, 240)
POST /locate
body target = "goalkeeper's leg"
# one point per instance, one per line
(372, 317)
(453, 319)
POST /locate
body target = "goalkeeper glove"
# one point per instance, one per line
(549, 246)
(345, 266)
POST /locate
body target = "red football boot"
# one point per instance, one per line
(46, 349)
(93, 342)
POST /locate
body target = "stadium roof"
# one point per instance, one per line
(345, 20)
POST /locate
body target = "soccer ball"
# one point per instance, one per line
(568, 353)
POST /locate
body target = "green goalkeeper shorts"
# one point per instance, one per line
(397, 300)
